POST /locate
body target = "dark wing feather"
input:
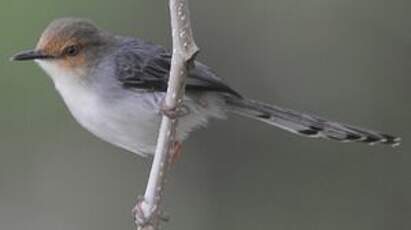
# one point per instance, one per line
(147, 66)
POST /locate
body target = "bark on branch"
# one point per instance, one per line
(147, 211)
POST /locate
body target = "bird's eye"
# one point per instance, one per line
(72, 50)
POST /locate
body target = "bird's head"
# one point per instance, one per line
(68, 46)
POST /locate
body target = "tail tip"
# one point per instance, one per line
(397, 142)
(391, 140)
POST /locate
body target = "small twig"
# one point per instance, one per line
(147, 211)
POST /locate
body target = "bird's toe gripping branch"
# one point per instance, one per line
(174, 112)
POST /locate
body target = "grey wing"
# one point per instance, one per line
(147, 66)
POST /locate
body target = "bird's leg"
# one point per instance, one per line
(175, 152)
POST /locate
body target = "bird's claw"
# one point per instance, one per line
(180, 110)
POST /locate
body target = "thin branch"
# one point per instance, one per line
(147, 211)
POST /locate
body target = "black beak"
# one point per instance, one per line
(30, 55)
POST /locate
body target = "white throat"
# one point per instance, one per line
(78, 96)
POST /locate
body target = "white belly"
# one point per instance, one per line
(126, 125)
(123, 124)
(131, 122)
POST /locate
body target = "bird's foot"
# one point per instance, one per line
(180, 110)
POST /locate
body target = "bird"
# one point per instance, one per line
(114, 87)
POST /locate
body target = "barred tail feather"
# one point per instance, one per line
(308, 125)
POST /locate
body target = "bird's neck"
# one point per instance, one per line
(72, 85)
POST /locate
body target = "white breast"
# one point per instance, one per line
(125, 123)
(131, 122)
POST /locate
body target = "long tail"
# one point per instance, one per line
(308, 125)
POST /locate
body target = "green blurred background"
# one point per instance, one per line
(348, 60)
